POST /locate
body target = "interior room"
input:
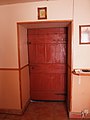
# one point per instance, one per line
(44, 63)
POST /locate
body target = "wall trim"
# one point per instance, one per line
(24, 66)
(11, 111)
(45, 21)
(16, 69)
(9, 69)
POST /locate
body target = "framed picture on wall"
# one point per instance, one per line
(84, 34)
(42, 13)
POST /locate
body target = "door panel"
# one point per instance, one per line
(47, 55)
(40, 53)
(48, 82)
(50, 53)
(32, 54)
(48, 68)
(56, 53)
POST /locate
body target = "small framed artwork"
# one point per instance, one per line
(84, 34)
(42, 13)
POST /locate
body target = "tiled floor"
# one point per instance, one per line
(41, 111)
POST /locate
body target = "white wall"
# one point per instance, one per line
(11, 14)
(23, 46)
(81, 57)
(80, 93)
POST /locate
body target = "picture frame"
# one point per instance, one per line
(84, 34)
(42, 13)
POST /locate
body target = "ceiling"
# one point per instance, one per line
(5, 2)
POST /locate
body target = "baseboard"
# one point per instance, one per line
(25, 106)
(77, 115)
(15, 111)
(11, 111)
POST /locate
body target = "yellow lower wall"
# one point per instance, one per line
(80, 93)
(25, 85)
(11, 94)
(9, 89)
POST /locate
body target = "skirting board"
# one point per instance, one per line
(77, 115)
(11, 111)
(15, 111)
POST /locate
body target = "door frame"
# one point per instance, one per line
(64, 23)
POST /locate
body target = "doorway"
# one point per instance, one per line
(54, 48)
(48, 63)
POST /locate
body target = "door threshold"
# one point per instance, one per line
(47, 101)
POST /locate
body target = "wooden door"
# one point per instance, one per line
(47, 56)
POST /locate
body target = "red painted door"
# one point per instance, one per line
(47, 56)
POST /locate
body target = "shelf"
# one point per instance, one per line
(83, 72)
